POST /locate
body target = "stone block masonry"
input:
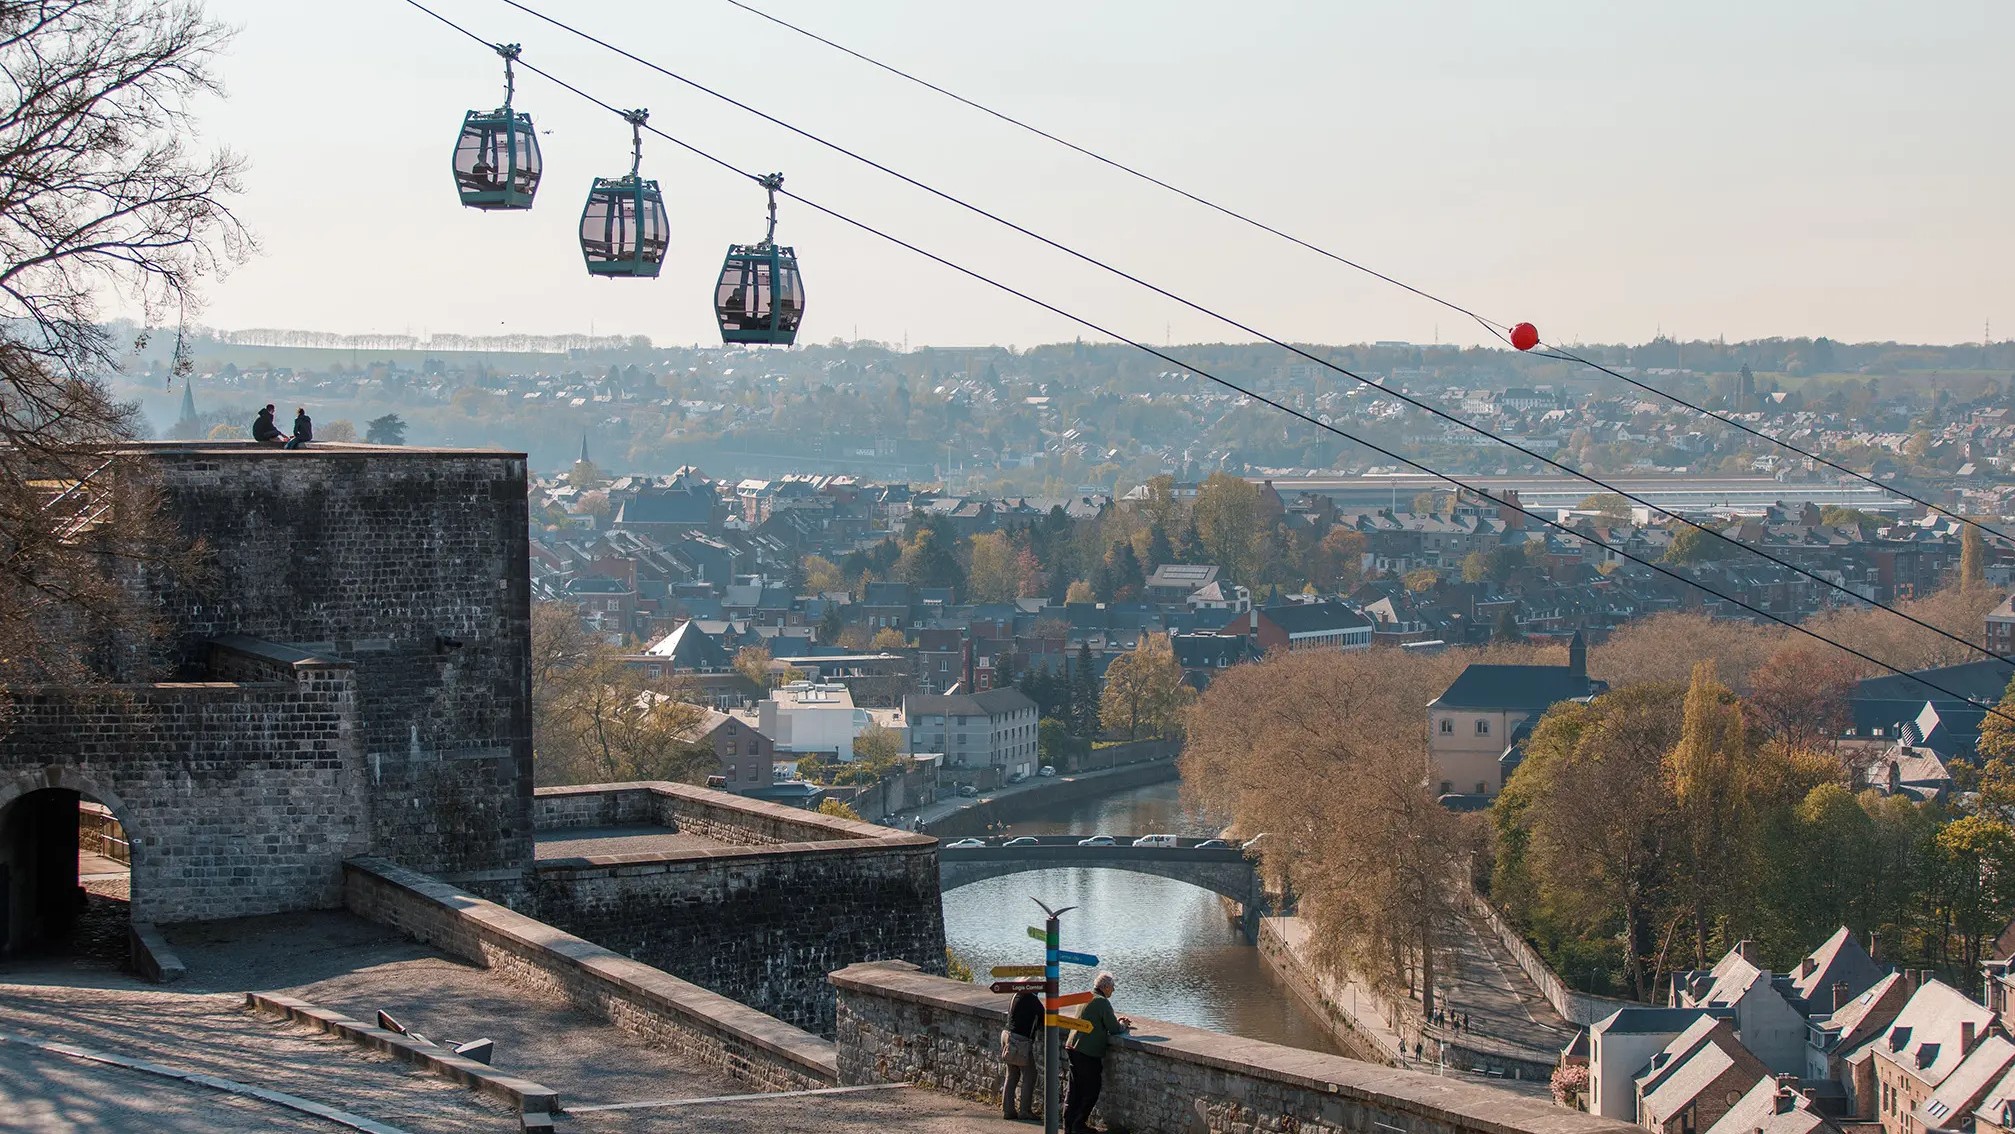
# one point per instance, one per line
(897, 1024)
(413, 565)
(238, 798)
(729, 818)
(762, 921)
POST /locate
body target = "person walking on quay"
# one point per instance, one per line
(1018, 1045)
(1087, 1054)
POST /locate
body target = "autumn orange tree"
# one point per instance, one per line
(1144, 694)
(1326, 753)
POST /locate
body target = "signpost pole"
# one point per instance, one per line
(1052, 1106)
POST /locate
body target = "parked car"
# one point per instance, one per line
(1017, 777)
(1097, 841)
(968, 790)
(1046, 771)
(968, 843)
(1155, 841)
(1213, 844)
(1021, 841)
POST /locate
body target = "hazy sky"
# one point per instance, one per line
(1603, 169)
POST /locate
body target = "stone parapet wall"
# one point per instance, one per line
(719, 815)
(898, 1024)
(237, 798)
(698, 1026)
(764, 924)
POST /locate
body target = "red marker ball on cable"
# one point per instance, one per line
(1525, 336)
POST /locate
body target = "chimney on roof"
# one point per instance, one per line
(1841, 994)
(1807, 966)
(1874, 946)
(1511, 513)
(1967, 1030)
(1910, 980)
(1577, 655)
(1746, 949)
(1786, 1099)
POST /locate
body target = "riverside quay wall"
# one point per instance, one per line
(896, 1024)
(785, 897)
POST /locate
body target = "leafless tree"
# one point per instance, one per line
(103, 201)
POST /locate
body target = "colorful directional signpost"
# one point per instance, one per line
(1023, 978)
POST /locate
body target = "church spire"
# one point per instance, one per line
(188, 399)
(584, 448)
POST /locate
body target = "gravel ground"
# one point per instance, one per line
(342, 962)
(50, 1094)
(339, 961)
(211, 1033)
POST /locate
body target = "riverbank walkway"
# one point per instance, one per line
(1506, 1010)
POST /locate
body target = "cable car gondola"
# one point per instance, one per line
(623, 227)
(497, 155)
(761, 297)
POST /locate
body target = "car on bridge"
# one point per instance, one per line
(1022, 841)
(1097, 841)
(968, 843)
(1213, 844)
(1155, 841)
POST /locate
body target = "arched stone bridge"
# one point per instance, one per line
(1225, 871)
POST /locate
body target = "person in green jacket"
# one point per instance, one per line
(1087, 1054)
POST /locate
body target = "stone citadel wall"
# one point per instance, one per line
(412, 564)
(793, 896)
(238, 797)
(350, 675)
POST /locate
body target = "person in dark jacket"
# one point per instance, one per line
(263, 429)
(1087, 1054)
(304, 429)
(1018, 1047)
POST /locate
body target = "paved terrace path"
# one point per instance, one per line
(341, 962)
(109, 1012)
(579, 842)
(1506, 1010)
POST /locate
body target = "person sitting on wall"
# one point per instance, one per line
(304, 429)
(263, 429)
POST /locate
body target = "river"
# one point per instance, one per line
(1175, 954)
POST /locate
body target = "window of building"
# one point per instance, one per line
(1447, 726)
(1447, 786)
(1483, 728)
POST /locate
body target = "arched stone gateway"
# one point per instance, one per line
(1225, 872)
(43, 898)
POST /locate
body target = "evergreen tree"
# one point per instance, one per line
(829, 625)
(1084, 694)
(1128, 580)
(1189, 545)
(1972, 560)
(1159, 549)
